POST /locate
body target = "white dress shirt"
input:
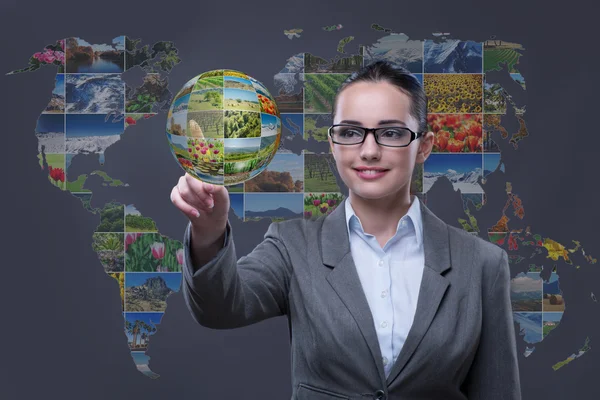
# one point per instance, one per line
(390, 277)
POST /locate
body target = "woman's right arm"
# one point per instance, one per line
(220, 291)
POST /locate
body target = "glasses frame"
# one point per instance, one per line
(414, 135)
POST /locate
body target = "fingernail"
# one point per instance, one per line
(211, 204)
(196, 213)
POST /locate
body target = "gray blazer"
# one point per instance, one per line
(461, 344)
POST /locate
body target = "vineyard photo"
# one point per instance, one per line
(214, 82)
(205, 124)
(320, 90)
(318, 175)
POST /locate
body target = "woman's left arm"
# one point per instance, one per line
(494, 374)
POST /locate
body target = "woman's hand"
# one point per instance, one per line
(206, 206)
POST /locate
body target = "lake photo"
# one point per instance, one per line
(83, 57)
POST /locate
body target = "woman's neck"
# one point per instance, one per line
(381, 216)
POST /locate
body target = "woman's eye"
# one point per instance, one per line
(349, 132)
(394, 133)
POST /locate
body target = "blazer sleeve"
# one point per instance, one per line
(229, 293)
(494, 373)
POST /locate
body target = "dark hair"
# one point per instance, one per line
(398, 76)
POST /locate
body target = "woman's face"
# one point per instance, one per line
(373, 105)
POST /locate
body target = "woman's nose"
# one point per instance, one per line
(370, 148)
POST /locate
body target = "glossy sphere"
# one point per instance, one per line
(223, 127)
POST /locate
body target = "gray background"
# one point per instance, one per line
(62, 331)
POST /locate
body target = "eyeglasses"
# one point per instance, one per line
(393, 136)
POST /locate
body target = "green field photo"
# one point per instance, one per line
(238, 99)
(207, 99)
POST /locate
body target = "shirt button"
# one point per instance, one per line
(380, 263)
(385, 360)
(403, 223)
(384, 324)
(384, 293)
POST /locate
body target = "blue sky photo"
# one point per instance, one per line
(93, 125)
(553, 316)
(272, 201)
(244, 95)
(490, 162)
(530, 324)
(59, 87)
(48, 123)
(182, 101)
(236, 201)
(292, 163)
(460, 163)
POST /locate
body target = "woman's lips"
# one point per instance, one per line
(370, 175)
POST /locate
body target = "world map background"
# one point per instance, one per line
(87, 294)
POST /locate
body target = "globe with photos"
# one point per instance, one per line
(224, 127)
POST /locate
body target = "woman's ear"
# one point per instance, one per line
(425, 147)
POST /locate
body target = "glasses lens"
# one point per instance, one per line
(394, 136)
(347, 134)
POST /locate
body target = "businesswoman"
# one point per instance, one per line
(384, 299)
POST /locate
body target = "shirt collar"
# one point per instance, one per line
(414, 214)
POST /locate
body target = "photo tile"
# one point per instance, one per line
(56, 105)
(273, 206)
(454, 93)
(139, 327)
(452, 56)
(136, 222)
(317, 204)
(206, 99)
(319, 174)
(397, 49)
(463, 170)
(290, 92)
(320, 90)
(109, 248)
(526, 292)
(148, 291)
(84, 57)
(285, 173)
(456, 133)
(95, 94)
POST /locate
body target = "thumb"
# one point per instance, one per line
(220, 196)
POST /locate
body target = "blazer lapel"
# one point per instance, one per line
(433, 285)
(344, 279)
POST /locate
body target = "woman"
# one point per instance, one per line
(385, 300)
